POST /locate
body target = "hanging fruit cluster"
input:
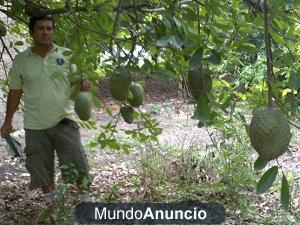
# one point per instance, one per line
(123, 89)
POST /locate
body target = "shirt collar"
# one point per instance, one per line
(29, 50)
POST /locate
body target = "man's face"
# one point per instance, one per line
(42, 33)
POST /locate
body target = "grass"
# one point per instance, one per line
(221, 172)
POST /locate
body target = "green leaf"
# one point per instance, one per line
(177, 22)
(146, 68)
(105, 20)
(285, 193)
(276, 37)
(246, 46)
(259, 164)
(19, 43)
(294, 81)
(203, 111)
(227, 102)
(267, 180)
(195, 60)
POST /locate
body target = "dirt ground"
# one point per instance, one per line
(18, 205)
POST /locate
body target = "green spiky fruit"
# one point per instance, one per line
(127, 113)
(199, 82)
(269, 133)
(119, 84)
(137, 97)
(2, 29)
(83, 105)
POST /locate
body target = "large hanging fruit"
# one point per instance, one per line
(269, 133)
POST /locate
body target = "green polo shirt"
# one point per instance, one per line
(46, 88)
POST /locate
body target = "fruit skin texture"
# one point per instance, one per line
(199, 82)
(269, 133)
(119, 84)
(137, 91)
(2, 30)
(83, 104)
(127, 113)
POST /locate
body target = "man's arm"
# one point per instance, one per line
(13, 101)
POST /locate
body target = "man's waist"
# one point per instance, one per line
(45, 124)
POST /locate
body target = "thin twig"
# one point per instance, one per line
(115, 24)
(7, 50)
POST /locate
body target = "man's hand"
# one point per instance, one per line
(13, 101)
(85, 85)
(6, 129)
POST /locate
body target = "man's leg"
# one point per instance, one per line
(39, 152)
(69, 150)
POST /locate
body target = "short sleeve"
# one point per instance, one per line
(15, 76)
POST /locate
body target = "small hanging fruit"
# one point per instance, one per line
(137, 97)
(127, 112)
(83, 105)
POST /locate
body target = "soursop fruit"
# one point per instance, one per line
(137, 97)
(199, 82)
(83, 105)
(120, 81)
(127, 113)
(269, 133)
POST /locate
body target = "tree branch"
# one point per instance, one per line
(4, 46)
(115, 24)
(12, 16)
(33, 9)
(254, 5)
(270, 74)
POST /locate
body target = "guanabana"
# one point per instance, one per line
(83, 104)
(127, 113)
(137, 97)
(199, 82)
(119, 84)
(269, 133)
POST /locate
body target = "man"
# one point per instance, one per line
(40, 74)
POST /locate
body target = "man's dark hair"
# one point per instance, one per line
(34, 19)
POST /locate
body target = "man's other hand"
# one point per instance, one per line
(85, 85)
(6, 129)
